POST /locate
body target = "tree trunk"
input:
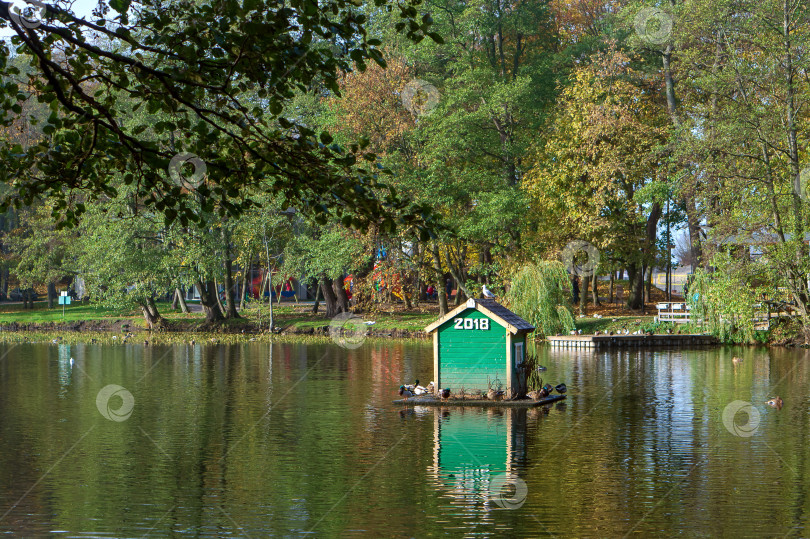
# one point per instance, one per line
(648, 287)
(230, 295)
(246, 274)
(175, 299)
(441, 287)
(148, 316)
(208, 300)
(635, 297)
(4, 282)
(341, 297)
(218, 298)
(595, 290)
(612, 280)
(583, 294)
(153, 311)
(693, 218)
(181, 299)
(317, 298)
(51, 295)
(329, 297)
(263, 288)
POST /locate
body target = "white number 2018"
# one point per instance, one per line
(471, 323)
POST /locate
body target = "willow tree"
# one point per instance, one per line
(541, 294)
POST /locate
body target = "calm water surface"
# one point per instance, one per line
(295, 440)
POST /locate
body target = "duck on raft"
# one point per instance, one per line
(416, 389)
(546, 390)
(419, 390)
(409, 390)
(537, 394)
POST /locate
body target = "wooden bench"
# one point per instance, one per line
(680, 313)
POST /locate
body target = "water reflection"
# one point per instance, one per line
(292, 439)
(479, 457)
(65, 369)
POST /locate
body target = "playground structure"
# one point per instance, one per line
(286, 289)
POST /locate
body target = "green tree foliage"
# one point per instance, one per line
(124, 259)
(211, 80)
(596, 176)
(728, 300)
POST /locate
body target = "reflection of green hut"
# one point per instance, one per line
(478, 346)
(475, 453)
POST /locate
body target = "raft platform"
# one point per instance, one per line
(476, 401)
(618, 341)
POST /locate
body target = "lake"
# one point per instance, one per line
(291, 440)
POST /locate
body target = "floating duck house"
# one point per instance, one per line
(478, 346)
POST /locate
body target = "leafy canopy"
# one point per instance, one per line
(211, 79)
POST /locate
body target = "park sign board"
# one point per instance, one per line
(478, 346)
(64, 299)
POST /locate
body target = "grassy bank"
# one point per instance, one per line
(254, 319)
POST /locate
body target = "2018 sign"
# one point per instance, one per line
(471, 323)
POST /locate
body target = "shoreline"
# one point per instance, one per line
(300, 326)
(122, 332)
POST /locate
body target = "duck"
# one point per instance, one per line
(776, 402)
(413, 386)
(419, 390)
(445, 394)
(494, 395)
(405, 393)
(561, 388)
(736, 360)
(541, 368)
(536, 395)
(548, 388)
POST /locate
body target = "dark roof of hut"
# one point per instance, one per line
(491, 308)
(502, 312)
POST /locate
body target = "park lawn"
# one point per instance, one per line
(284, 316)
(76, 312)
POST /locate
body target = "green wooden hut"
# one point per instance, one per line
(478, 346)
